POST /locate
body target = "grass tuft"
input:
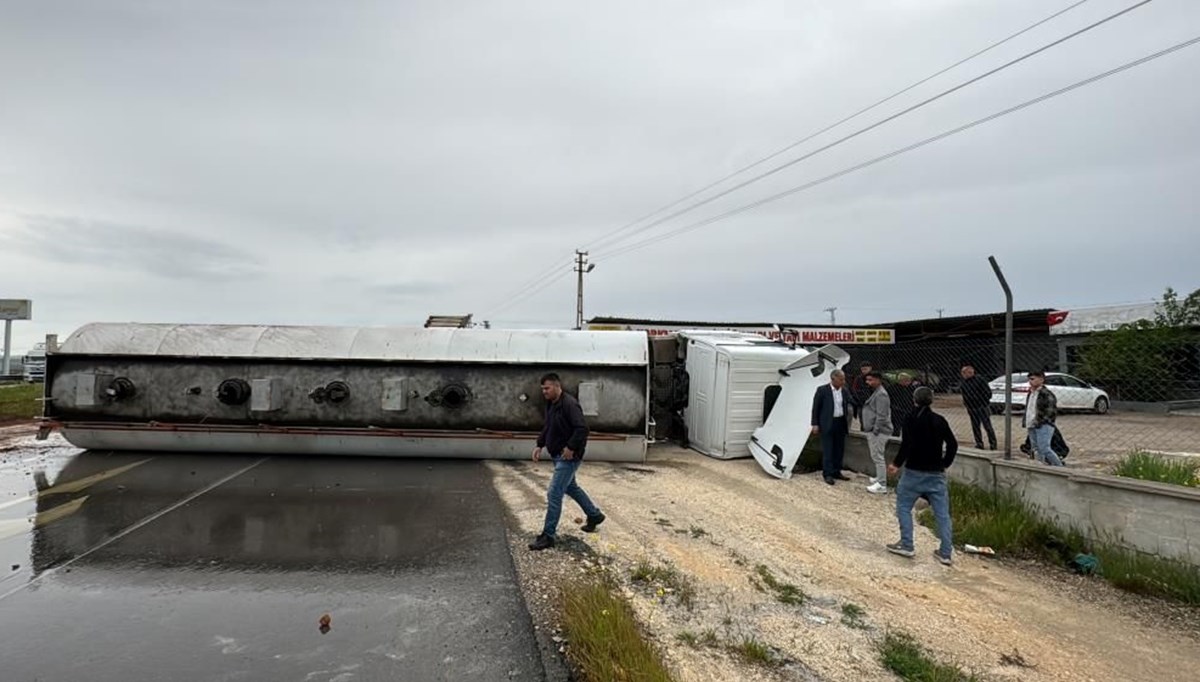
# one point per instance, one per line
(903, 655)
(669, 581)
(854, 616)
(1146, 466)
(754, 652)
(786, 593)
(606, 641)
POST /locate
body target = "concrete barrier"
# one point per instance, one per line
(1155, 518)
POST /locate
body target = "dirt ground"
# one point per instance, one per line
(1096, 440)
(716, 521)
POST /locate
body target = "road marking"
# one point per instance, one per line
(88, 481)
(140, 524)
(13, 503)
(61, 511)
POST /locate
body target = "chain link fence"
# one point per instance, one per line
(1137, 388)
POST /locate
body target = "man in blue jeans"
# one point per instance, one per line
(565, 437)
(1041, 411)
(927, 448)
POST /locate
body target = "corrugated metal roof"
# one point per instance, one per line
(361, 343)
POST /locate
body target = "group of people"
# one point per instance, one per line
(927, 445)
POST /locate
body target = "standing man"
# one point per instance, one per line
(926, 451)
(1041, 411)
(860, 390)
(831, 421)
(877, 423)
(565, 437)
(902, 401)
(977, 398)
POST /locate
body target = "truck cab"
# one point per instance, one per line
(34, 363)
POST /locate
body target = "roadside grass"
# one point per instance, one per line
(1148, 466)
(903, 655)
(1003, 522)
(606, 642)
(753, 651)
(20, 401)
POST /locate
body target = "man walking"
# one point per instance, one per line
(1041, 411)
(977, 398)
(877, 423)
(565, 437)
(926, 450)
(831, 421)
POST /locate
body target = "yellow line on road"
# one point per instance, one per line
(88, 481)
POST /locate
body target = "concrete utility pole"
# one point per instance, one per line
(832, 315)
(581, 266)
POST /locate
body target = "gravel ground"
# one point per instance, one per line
(716, 521)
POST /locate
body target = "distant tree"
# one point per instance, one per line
(1148, 360)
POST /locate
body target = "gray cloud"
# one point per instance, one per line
(130, 248)
(443, 153)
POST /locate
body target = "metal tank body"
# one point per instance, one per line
(342, 390)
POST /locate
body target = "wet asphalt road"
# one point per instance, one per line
(180, 567)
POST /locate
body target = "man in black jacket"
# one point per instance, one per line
(565, 437)
(977, 398)
(831, 421)
(927, 449)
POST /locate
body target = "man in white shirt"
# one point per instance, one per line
(830, 421)
(1041, 411)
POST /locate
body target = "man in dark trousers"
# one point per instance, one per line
(565, 437)
(977, 398)
(831, 421)
(927, 449)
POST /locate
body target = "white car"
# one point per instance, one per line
(1072, 393)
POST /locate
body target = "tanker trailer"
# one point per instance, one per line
(399, 392)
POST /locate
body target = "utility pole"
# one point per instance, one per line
(832, 315)
(940, 311)
(581, 266)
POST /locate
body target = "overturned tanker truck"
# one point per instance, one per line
(402, 392)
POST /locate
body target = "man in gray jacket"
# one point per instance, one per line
(877, 423)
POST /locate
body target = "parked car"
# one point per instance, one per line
(1072, 393)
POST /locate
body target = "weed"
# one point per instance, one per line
(709, 638)
(1145, 466)
(663, 522)
(853, 616)
(606, 641)
(1016, 660)
(698, 532)
(669, 580)
(689, 638)
(752, 651)
(904, 656)
(786, 593)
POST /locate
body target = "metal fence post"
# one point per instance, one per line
(1008, 356)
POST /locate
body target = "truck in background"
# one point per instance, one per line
(34, 364)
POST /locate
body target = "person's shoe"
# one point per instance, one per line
(829, 480)
(877, 488)
(541, 542)
(592, 522)
(897, 548)
(943, 560)
(979, 446)
(842, 477)
(992, 447)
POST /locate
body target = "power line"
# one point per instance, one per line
(879, 159)
(604, 238)
(860, 131)
(537, 281)
(532, 292)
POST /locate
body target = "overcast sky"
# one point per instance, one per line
(376, 162)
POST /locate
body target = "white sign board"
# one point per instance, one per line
(16, 309)
(805, 336)
(1108, 318)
